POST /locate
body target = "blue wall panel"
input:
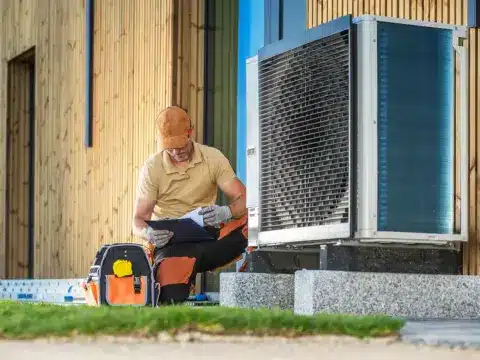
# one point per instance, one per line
(473, 11)
(250, 39)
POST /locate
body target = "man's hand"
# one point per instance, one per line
(215, 215)
(159, 238)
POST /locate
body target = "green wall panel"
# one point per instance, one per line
(224, 92)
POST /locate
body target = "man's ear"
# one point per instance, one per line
(192, 132)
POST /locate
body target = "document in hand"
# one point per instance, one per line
(188, 228)
(195, 216)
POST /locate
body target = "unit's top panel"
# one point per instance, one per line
(363, 18)
(291, 41)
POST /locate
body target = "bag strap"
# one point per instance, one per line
(137, 284)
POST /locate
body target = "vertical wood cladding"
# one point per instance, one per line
(148, 54)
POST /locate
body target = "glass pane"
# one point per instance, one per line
(415, 129)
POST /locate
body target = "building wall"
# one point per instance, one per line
(445, 11)
(188, 50)
(147, 55)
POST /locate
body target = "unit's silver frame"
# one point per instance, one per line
(253, 150)
(322, 234)
(365, 189)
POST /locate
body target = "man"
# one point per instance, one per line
(182, 176)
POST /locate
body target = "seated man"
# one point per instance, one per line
(182, 176)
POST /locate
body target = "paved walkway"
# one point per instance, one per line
(329, 348)
(443, 332)
(458, 340)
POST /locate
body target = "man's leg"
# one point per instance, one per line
(227, 249)
(175, 272)
(179, 263)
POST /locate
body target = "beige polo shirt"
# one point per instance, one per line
(180, 190)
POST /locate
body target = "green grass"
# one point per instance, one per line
(27, 320)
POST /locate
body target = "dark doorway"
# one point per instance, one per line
(20, 166)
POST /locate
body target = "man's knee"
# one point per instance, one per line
(174, 275)
(232, 242)
(237, 225)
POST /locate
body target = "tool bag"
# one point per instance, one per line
(121, 275)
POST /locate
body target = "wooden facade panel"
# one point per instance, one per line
(84, 196)
(18, 19)
(17, 37)
(133, 82)
(189, 61)
(471, 256)
(444, 11)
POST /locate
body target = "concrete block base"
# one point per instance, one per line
(257, 290)
(414, 296)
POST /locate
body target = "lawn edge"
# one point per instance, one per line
(201, 328)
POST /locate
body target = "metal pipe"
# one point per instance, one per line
(89, 27)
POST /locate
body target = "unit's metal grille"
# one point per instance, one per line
(304, 135)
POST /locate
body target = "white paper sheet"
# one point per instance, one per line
(194, 216)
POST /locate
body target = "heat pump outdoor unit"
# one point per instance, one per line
(357, 133)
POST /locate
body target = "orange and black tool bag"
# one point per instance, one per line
(121, 275)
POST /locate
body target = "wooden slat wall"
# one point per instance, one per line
(189, 66)
(84, 197)
(471, 258)
(445, 11)
(16, 23)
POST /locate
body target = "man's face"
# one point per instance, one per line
(181, 154)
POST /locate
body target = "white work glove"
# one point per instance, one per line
(159, 238)
(214, 215)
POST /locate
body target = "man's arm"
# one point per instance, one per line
(146, 195)
(142, 212)
(231, 186)
(235, 191)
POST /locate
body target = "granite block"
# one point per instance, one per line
(257, 290)
(411, 296)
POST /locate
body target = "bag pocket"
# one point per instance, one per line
(120, 291)
(90, 291)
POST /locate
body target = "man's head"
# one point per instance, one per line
(174, 133)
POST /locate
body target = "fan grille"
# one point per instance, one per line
(304, 98)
